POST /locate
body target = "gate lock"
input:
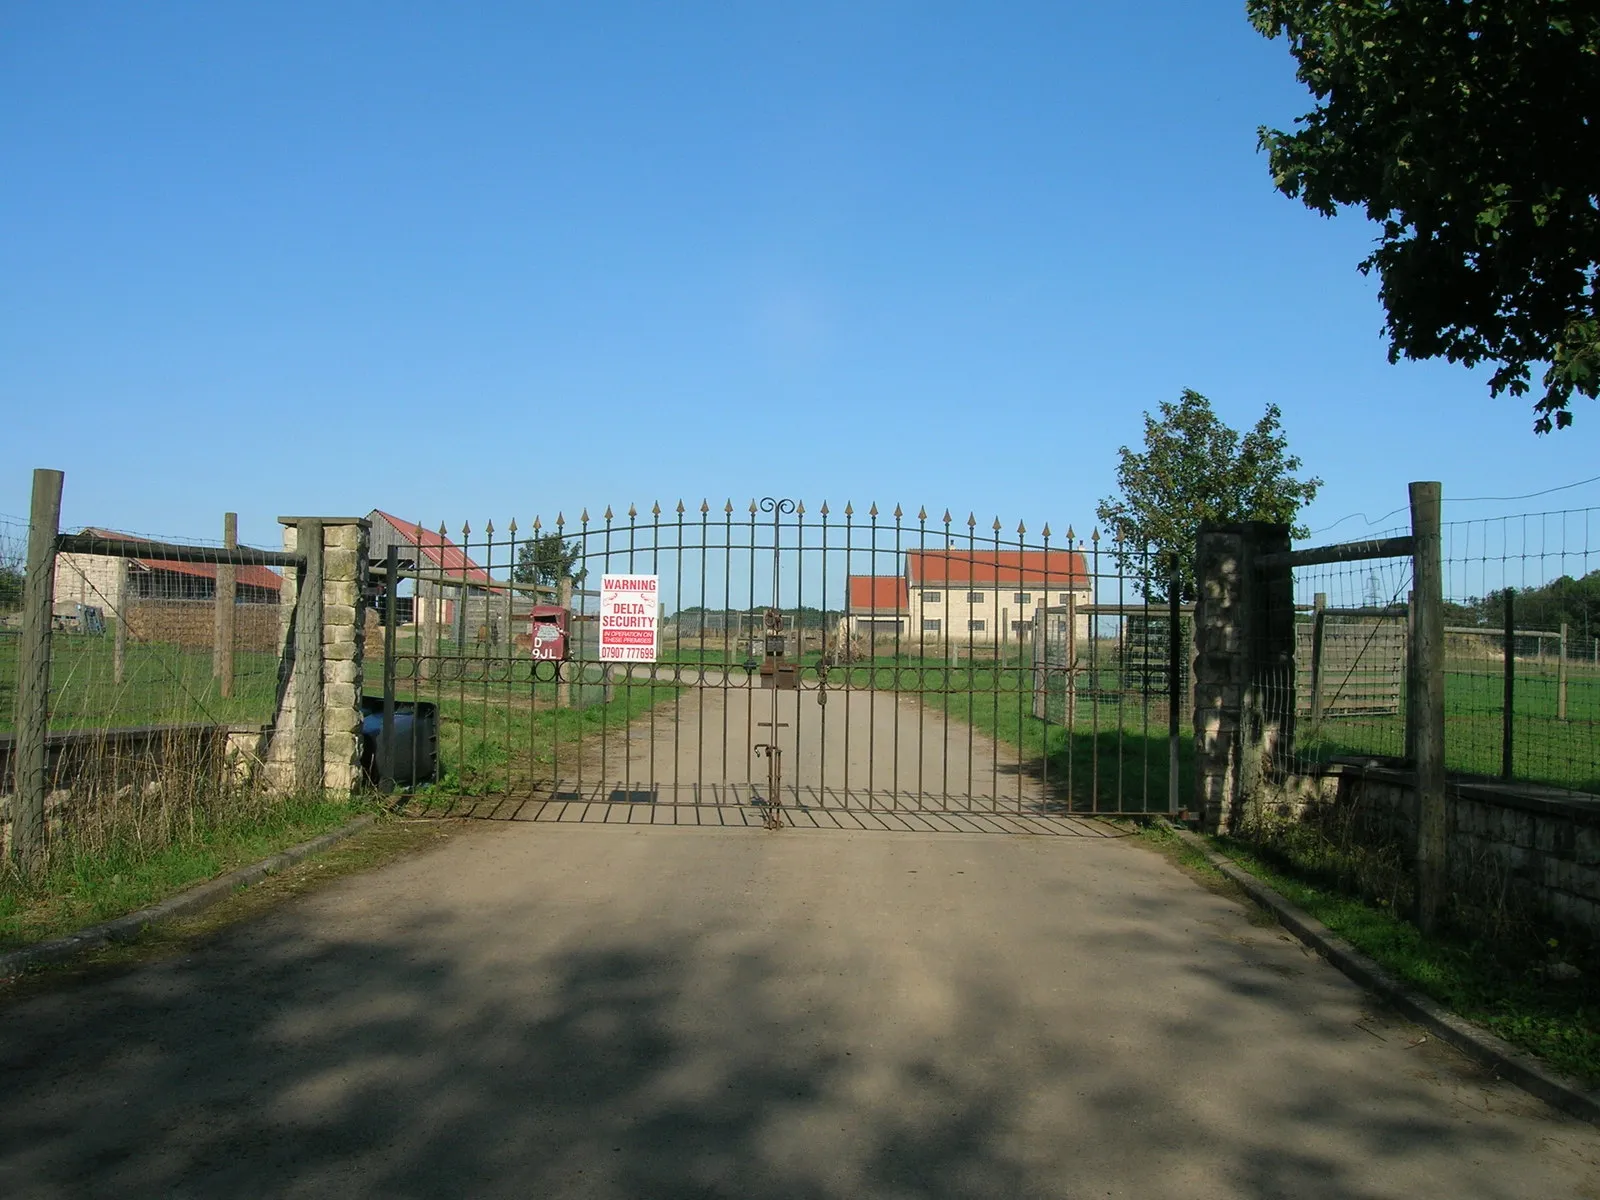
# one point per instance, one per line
(776, 672)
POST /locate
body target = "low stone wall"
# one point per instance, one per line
(192, 623)
(1537, 847)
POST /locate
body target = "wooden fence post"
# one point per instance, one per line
(308, 719)
(1318, 636)
(1427, 571)
(1508, 701)
(31, 768)
(227, 593)
(1561, 677)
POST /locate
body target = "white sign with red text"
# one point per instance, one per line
(628, 618)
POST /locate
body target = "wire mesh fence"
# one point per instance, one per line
(1522, 647)
(1345, 694)
(1521, 663)
(162, 676)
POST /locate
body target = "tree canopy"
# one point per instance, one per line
(1195, 468)
(1470, 132)
(547, 559)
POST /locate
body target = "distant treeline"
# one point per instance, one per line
(1569, 601)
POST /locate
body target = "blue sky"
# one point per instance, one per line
(475, 261)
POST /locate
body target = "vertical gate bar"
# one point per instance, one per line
(1040, 642)
(1174, 641)
(822, 675)
(777, 604)
(729, 639)
(700, 690)
(677, 667)
(1027, 624)
(1000, 644)
(606, 780)
(1094, 672)
(872, 711)
(579, 722)
(800, 642)
(972, 656)
(750, 708)
(922, 669)
(894, 775)
(1147, 669)
(1122, 667)
(391, 571)
(950, 675)
(1069, 704)
(850, 666)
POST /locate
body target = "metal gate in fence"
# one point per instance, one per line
(796, 661)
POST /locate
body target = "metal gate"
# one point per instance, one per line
(799, 663)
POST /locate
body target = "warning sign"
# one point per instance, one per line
(628, 612)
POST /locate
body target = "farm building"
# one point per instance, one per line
(876, 605)
(114, 583)
(970, 595)
(464, 599)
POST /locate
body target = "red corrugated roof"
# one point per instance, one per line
(438, 549)
(997, 568)
(261, 577)
(876, 593)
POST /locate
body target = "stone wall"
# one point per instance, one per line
(1535, 848)
(193, 623)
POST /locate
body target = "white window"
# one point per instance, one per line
(932, 597)
(1024, 597)
(975, 626)
(1022, 627)
(974, 597)
(930, 626)
(1064, 599)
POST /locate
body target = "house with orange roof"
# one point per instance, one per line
(971, 595)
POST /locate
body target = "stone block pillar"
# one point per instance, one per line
(1243, 669)
(316, 738)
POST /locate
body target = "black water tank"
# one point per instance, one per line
(414, 757)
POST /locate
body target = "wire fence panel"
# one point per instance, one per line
(1347, 686)
(163, 676)
(1522, 645)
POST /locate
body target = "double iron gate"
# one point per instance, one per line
(796, 661)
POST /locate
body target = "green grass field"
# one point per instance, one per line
(161, 684)
(1545, 749)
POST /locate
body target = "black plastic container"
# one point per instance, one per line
(414, 758)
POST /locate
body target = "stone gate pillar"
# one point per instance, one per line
(316, 733)
(1243, 669)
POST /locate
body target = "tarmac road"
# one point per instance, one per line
(550, 1009)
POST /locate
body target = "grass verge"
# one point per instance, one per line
(82, 889)
(1506, 986)
(382, 842)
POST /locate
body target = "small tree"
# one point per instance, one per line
(547, 559)
(1194, 468)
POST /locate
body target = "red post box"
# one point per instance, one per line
(547, 631)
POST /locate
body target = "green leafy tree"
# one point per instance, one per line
(1470, 132)
(1194, 468)
(547, 559)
